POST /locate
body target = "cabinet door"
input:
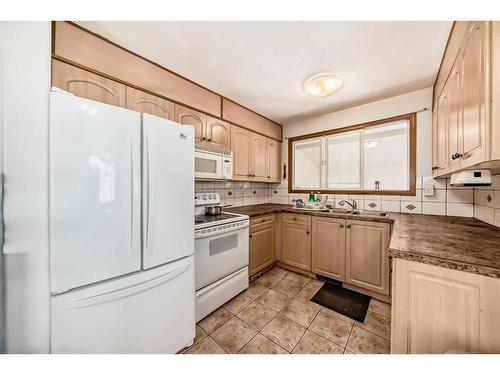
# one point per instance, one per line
(273, 160)
(87, 85)
(454, 113)
(296, 242)
(367, 263)
(259, 158)
(262, 238)
(441, 133)
(435, 309)
(241, 141)
(328, 247)
(143, 102)
(194, 118)
(474, 98)
(218, 133)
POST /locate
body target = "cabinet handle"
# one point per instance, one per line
(307, 232)
(250, 236)
(268, 176)
(342, 225)
(434, 168)
(209, 139)
(204, 138)
(348, 226)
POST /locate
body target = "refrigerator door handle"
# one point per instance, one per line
(128, 291)
(145, 193)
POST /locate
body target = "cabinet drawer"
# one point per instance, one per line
(262, 219)
(297, 219)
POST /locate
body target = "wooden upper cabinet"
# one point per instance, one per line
(273, 160)
(143, 102)
(328, 247)
(441, 134)
(259, 158)
(474, 95)
(241, 144)
(87, 85)
(197, 120)
(463, 102)
(218, 133)
(367, 263)
(453, 92)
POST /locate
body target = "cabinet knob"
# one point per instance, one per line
(307, 232)
(209, 139)
(294, 219)
(434, 168)
(348, 226)
(268, 176)
(204, 138)
(250, 236)
(342, 225)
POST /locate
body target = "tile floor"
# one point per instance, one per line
(275, 316)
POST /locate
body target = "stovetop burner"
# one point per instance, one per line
(198, 219)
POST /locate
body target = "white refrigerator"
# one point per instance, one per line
(121, 230)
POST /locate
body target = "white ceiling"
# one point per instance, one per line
(262, 65)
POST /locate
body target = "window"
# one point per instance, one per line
(372, 158)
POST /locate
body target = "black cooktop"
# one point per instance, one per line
(200, 219)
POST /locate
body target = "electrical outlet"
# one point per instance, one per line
(429, 190)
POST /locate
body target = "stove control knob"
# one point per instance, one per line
(204, 197)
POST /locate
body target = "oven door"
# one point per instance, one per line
(207, 165)
(219, 255)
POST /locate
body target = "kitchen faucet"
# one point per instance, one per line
(353, 205)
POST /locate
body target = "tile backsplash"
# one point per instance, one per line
(447, 200)
(236, 193)
(487, 202)
(482, 203)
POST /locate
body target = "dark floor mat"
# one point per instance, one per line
(342, 300)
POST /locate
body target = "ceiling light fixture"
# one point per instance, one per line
(322, 84)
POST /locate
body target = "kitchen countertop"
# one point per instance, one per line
(269, 208)
(460, 243)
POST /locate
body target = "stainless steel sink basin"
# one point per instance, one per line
(311, 209)
(369, 213)
(339, 211)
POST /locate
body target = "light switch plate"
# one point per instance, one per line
(428, 190)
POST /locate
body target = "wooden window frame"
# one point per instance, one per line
(412, 132)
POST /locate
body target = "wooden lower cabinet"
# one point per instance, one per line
(437, 309)
(367, 262)
(328, 247)
(296, 243)
(262, 244)
(87, 85)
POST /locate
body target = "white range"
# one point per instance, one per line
(221, 255)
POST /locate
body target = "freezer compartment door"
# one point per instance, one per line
(148, 312)
(168, 191)
(94, 191)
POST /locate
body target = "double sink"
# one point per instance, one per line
(344, 211)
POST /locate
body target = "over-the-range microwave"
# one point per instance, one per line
(212, 164)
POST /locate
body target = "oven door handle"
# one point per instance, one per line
(199, 234)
